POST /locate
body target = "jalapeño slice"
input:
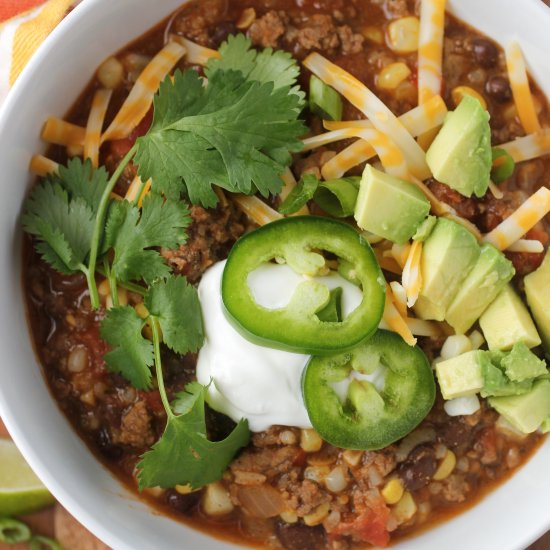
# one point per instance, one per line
(391, 390)
(297, 327)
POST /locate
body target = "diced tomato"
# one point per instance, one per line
(300, 459)
(119, 147)
(153, 401)
(370, 526)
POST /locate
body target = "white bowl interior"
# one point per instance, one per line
(510, 517)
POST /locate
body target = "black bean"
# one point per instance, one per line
(298, 536)
(184, 504)
(485, 52)
(455, 434)
(106, 447)
(417, 471)
(221, 31)
(498, 87)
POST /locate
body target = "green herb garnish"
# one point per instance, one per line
(300, 195)
(236, 130)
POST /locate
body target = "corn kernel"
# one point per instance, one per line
(289, 517)
(310, 441)
(393, 491)
(353, 458)
(392, 75)
(374, 34)
(104, 289)
(184, 489)
(122, 297)
(318, 515)
(216, 500)
(459, 92)
(455, 345)
(446, 466)
(405, 509)
(246, 18)
(110, 73)
(403, 34)
(141, 310)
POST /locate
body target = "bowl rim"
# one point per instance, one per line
(77, 508)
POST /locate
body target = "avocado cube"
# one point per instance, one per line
(462, 375)
(522, 364)
(537, 290)
(488, 277)
(507, 321)
(528, 411)
(389, 207)
(460, 154)
(448, 255)
(496, 383)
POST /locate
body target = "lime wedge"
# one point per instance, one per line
(21, 492)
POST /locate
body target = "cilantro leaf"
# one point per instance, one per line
(62, 226)
(184, 455)
(133, 232)
(300, 195)
(80, 179)
(132, 354)
(278, 67)
(230, 133)
(175, 304)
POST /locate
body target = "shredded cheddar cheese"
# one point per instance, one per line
(59, 132)
(400, 253)
(136, 187)
(527, 245)
(522, 220)
(42, 166)
(529, 147)
(94, 126)
(417, 121)
(395, 321)
(373, 108)
(399, 297)
(196, 53)
(430, 48)
(139, 100)
(419, 327)
(519, 82)
(257, 210)
(412, 276)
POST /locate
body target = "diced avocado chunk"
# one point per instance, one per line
(462, 375)
(528, 411)
(522, 364)
(488, 277)
(496, 383)
(460, 154)
(425, 229)
(324, 101)
(389, 207)
(537, 290)
(448, 255)
(507, 321)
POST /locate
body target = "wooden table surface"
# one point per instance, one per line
(57, 523)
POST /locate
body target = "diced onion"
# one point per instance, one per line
(261, 501)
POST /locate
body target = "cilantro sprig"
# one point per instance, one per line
(236, 129)
(184, 454)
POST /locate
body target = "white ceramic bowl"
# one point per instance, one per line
(509, 518)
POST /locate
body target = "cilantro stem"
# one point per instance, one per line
(132, 287)
(153, 322)
(113, 286)
(100, 224)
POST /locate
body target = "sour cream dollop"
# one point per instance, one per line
(250, 381)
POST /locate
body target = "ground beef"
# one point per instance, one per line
(268, 29)
(267, 461)
(210, 237)
(135, 428)
(464, 207)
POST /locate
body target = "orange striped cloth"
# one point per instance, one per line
(24, 24)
